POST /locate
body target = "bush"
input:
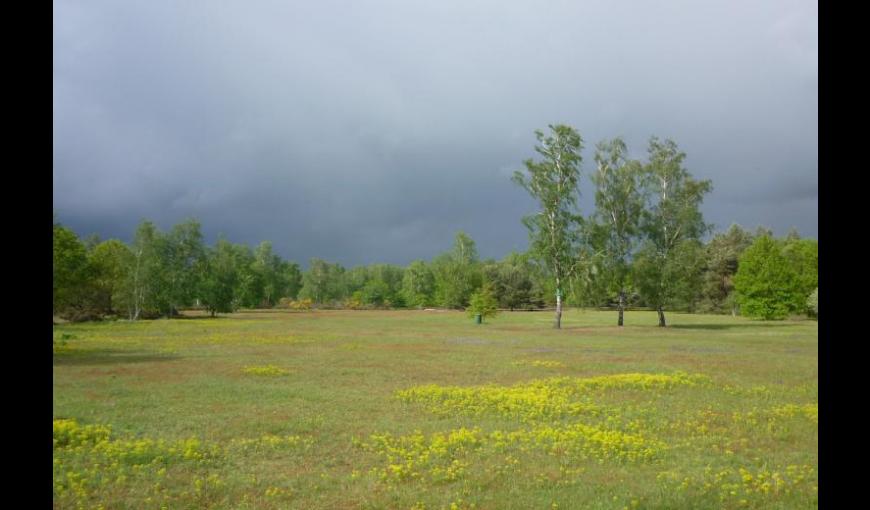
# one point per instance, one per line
(483, 302)
(302, 304)
(354, 302)
(766, 285)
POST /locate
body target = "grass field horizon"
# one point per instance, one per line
(425, 409)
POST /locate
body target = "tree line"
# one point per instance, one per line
(643, 246)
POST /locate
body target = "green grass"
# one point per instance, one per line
(414, 409)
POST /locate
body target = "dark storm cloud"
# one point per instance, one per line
(373, 131)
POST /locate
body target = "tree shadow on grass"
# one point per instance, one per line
(743, 325)
(191, 316)
(111, 357)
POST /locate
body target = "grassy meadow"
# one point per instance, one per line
(427, 410)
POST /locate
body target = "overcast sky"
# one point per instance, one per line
(372, 131)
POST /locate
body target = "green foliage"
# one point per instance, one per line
(267, 267)
(722, 254)
(813, 303)
(684, 269)
(418, 285)
(803, 257)
(376, 285)
(592, 286)
(164, 270)
(766, 284)
(292, 278)
(673, 210)
(248, 291)
(389, 278)
(323, 282)
(355, 279)
(552, 182)
(72, 274)
(457, 273)
(109, 260)
(182, 255)
(376, 293)
(511, 280)
(143, 272)
(614, 229)
(220, 279)
(483, 302)
(268, 278)
(667, 270)
(642, 244)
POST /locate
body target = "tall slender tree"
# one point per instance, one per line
(553, 181)
(619, 204)
(673, 226)
(144, 275)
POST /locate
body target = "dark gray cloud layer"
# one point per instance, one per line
(372, 131)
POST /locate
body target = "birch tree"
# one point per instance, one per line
(553, 181)
(143, 272)
(673, 226)
(619, 204)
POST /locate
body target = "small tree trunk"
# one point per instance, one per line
(661, 317)
(558, 324)
(621, 307)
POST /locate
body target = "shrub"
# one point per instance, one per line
(302, 304)
(354, 302)
(483, 302)
(766, 284)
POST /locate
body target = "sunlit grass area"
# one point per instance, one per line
(425, 409)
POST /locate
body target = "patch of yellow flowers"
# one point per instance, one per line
(266, 370)
(560, 417)
(538, 403)
(538, 400)
(776, 418)
(544, 399)
(444, 456)
(89, 462)
(540, 363)
(740, 486)
(269, 442)
(808, 411)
